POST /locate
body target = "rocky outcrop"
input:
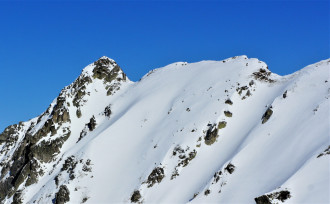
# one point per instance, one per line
(230, 168)
(9, 135)
(222, 124)
(263, 75)
(47, 150)
(63, 195)
(325, 152)
(211, 135)
(136, 196)
(228, 114)
(267, 115)
(156, 176)
(109, 71)
(229, 102)
(79, 89)
(273, 197)
(92, 124)
(69, 166)
(107, 111)
(102, 71)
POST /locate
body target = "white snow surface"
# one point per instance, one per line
(173, 106)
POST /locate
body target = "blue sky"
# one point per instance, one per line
(44, 45)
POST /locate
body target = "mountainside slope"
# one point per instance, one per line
(213, 131)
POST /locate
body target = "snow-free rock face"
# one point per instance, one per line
(213, 131)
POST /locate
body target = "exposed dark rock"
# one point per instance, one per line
(63, 195)
(206, 192)
(186, 160)
(211, 135)
(222, 124)
(9, 135)
(285, 94)
(325, 152)
(88, 127)
(248, 93)
(78, 96)
(262, 200)
(45, 151)
(87, 166)
(230, 168)
(17, 199)
(79, 87)
(60, 114)
(268, 198)
(175, 174)
(107, 111)
(217, 176)
(56, 179)
(177, 149)
(103, 71)
(78, 113)
(112, 88)
(263, 75)
(43, 131)
(32, 171)
(24, 167)
(156, 176)
(283, 195)
(229, 102)
(241, 89)
(228, 113)
(84, 200)
(267, 115)
(123, 75)
(6, 187)
(69, 165)
(83, 133)
(136, 196)
(92, 124)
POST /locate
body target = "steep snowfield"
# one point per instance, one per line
(213, 131)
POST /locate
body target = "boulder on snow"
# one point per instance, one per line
(206, 192)
(262, 200)
(211, 135)
(92, 124)
(222, 124)
(136, 196)
(228, 114)
(230, 168)
(229, 102)
(267, 114)
(63, 195)
(272, 197)
(78, 113)
(156, 176)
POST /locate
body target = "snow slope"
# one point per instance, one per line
(164, 137)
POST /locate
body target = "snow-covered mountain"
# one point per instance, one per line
(213, 131)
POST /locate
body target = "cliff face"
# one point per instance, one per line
(187, 132)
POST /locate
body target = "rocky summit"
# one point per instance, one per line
(228, 131)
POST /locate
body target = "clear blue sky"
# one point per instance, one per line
(45, 45)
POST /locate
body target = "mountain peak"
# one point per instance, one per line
(104, 61)
(108, 70)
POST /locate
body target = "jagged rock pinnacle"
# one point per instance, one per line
(104, 61)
